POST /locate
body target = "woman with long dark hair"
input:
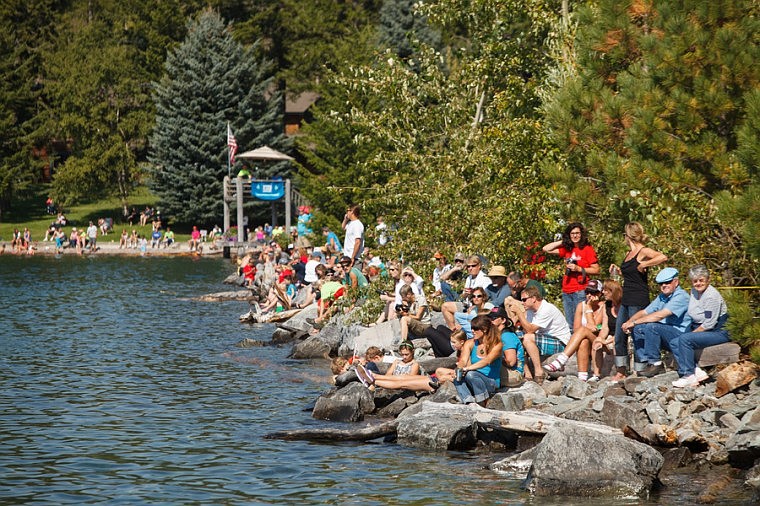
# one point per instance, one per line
(580, 264)
(481, 371)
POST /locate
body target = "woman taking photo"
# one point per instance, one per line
(480, 371)
(581, 262)
(634, 270)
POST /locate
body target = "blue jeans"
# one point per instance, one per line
(448, 293)
(475, 387)
(685, 346)
(649, 338)
(621, 338)
(569, 301)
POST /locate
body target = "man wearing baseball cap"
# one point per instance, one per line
(663, 320)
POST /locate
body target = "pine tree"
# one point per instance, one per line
(400, 26)
(650, 124)
(210, 80)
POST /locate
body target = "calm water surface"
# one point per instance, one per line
(116, 387)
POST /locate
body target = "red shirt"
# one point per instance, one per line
(249, 272)
(584, 257)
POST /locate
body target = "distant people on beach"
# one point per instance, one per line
(195, 239)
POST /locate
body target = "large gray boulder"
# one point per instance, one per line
(320, 345)
(573, 460)
(298, 322)
(348, 404)
(744, 446)
(386, 336)
(438, 426)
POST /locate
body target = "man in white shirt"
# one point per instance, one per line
(545, 327)
(353, 244)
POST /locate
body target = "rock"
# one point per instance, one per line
(225, 296)
(250, 343)
(507, 401)
(753, 481)
(657, 385)
(615, 391)
(729, 421)
(675, 458)
(656, 414)
(574, 388)
(321, 345)
(233, 279)
(675, 409)
(516, 465)
(552, 387)
(726, 353)
(573, 460)
(743, 446)
(282, 336)
(348, 404)
(429, 365)
(298, 322)
(385, 336)
(395, 408)
(735, 376)
(619, 414)
(439, 427)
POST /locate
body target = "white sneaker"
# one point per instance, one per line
(700, 374)
(686, 381)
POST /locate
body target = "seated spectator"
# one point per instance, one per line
(104, 226)
(456, 344)
(662, 321)
(133, 216)
(450, 278)
(476, 278)
(415, 314)
(16, 240)
(612, 293)
(513, 361)
(50, 232)
(517, 283)
(50, 206)
(155, 239)
(331, 289)
(372, 357)
(481, 373)
(477, 305)
(310, 270)
(498, 290)
(195, 239)
(391, 301)
(61, 219)
(545, 327)
(145, 216)
(168, 237)
(332, 243)
(709, 314)
(124, 239)
(590, 324)
(441, 267)
(26, 239)
(353, 276)
(133, 239)
(403, 374)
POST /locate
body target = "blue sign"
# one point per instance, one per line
(268, 190)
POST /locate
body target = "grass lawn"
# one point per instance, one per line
(28, 210)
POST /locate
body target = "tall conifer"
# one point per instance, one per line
(210, 80)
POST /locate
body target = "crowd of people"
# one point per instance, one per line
(502, 330)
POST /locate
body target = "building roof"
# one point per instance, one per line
(300, 103)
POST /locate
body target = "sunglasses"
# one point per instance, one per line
(471, 266)
(392, 269)
(477, 296)
(526, 298)
(408, 274)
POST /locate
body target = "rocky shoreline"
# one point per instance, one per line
(565, 437)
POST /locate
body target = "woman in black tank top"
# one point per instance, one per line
(635, 287)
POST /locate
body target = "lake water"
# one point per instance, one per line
(116, 387)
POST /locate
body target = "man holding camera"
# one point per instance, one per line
(413, 312)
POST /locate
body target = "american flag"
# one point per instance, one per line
(231, 143)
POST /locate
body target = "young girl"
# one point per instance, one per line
(443, 374)
(481, 363)
(590, 325)
(402, 374)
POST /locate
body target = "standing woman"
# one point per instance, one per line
(709, 313)
(634, 270)
(481, 364)
(581, 261)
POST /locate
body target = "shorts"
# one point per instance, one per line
(549, 345)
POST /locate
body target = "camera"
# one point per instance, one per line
(402, 308)
(570, 261)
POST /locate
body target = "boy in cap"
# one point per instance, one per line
(662, 321)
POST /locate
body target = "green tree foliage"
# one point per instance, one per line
(401, 26)
(210, 80)
(97, 81)
(448, 151)
(652, 123)
(25, 30)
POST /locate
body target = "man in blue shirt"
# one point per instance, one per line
(662, 321)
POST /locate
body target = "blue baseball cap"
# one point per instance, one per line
(666, 275)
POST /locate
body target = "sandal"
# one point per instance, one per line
(594, 379)
(364, 376)
(555, 366)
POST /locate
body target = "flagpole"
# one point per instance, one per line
(229, 152)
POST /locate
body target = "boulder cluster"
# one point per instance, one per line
(566, 437)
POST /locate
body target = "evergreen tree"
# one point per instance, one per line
(400, 26)
(651, 124)
(210, 80)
